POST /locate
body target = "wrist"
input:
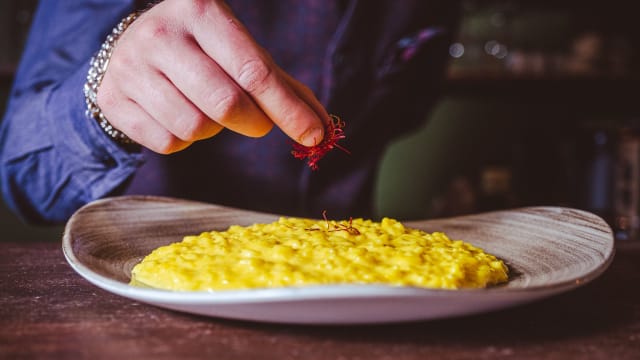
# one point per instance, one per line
(97, 68)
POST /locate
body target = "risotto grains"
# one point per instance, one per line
(304, 252)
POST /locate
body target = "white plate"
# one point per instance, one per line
(549, 251)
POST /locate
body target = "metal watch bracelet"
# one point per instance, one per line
(97, 69)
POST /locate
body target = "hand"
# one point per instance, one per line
(185, 69)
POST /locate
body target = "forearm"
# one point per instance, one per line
(53, 158)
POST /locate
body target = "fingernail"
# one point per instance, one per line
(312, 137)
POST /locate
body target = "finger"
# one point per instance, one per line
(210, 89)
(128, 117)
(159, 98)
(309, 97)
(222, 37)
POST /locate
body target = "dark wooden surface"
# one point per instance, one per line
(47, 311)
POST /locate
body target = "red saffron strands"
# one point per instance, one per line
(313, 154)
(337, 227)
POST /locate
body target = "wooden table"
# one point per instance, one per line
(48, 311)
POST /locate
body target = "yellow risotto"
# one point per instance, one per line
(297, 252)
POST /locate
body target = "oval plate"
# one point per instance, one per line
(549, 250)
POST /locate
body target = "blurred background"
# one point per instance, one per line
(541, 107)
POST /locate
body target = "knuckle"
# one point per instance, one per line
(226, 105)
(152, 28)
(192, 126)
(254, 75)
(199, 7)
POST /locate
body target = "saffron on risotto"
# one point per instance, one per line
(293, 252)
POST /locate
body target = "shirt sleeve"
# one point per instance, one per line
(53, 158)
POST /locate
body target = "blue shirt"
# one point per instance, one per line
(376, 64)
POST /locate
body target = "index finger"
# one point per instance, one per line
(230, 45)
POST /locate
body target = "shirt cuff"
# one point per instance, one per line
(100, 163)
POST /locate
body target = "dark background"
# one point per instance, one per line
(540, 108)
(15, 17)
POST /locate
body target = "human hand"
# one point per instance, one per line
(185, 69)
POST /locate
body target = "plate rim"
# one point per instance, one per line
(336, 291)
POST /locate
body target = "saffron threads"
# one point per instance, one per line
(313, 154)
(337, 226)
